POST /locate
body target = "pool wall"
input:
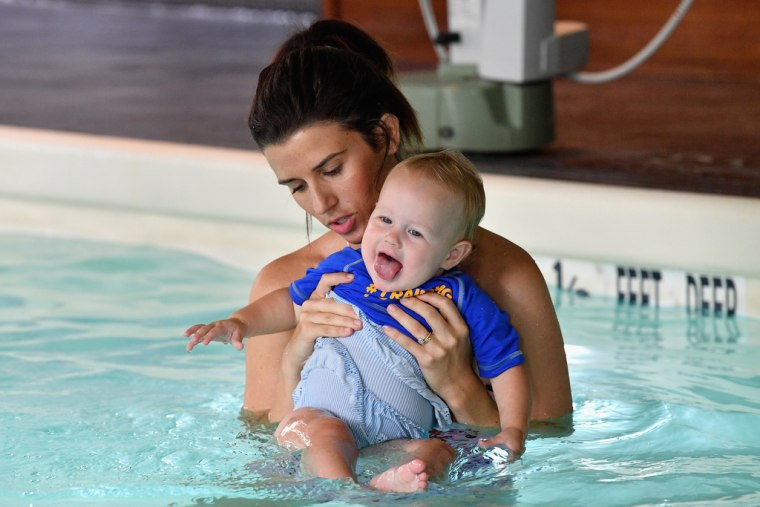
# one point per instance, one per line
(646, 247)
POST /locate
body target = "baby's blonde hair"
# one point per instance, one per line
(458, 175)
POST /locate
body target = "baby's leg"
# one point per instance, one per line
(329, 447)
(423, 460)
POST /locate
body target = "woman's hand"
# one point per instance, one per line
(445, 356)
(320, 316)
(448, 349)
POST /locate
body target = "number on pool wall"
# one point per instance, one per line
(571, 286)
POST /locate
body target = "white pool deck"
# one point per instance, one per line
(226, 204)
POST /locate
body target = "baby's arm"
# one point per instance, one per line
(272, 313)
(512, 395)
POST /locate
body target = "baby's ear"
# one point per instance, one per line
(457, 253)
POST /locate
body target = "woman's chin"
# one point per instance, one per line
(353, 239)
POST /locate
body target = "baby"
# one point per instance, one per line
(366, 389)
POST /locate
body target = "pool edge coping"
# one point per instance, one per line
(600, 224)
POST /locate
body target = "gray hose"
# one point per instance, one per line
(431, 25)
(640, 57)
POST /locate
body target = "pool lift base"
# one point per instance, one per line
(459, 110)
(492, 91)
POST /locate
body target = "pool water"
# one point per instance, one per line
(101, 405)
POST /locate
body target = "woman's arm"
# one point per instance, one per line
(274, 362)
(511, 278)
(446, 360)
(263, 354)
(318, 317)
(535, 319)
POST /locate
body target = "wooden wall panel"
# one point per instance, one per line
(397, 24)
(716, 38)
(685, 120)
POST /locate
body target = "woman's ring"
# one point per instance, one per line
(423, 341)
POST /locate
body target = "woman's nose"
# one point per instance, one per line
(322, 201)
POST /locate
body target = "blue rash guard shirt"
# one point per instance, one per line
(494, 340)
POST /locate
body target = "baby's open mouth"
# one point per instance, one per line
(386, 266)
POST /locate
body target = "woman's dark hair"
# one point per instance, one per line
(330, 72)
(339, 35)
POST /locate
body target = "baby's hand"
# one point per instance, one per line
(225, 331)
(512, 438)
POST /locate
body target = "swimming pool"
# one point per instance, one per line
(102, 406)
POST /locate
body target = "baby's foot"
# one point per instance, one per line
(406, 478)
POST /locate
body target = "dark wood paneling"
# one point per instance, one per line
(397, 24)
(717, 38)
(687, 119)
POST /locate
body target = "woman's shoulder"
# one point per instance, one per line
(282, 271)
(498, 253)
(501, 267)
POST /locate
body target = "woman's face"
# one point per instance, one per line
(331, 173)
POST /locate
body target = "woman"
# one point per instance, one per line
(332, 124)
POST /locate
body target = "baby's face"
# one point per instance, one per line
(411, 231)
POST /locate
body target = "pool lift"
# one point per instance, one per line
(492, 89)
